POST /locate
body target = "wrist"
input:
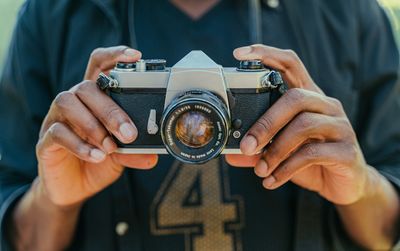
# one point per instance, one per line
(43, 200)
(363, 185)
(376, 185)
(36, 218)
(375, 188)
(373, 184)
(372, 219)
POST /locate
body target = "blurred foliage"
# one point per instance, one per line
(8, 12)
(393, 10)
(9, 9)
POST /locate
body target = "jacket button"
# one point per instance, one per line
(121, 228)
(273, 4)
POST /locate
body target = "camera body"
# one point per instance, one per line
(195, 110)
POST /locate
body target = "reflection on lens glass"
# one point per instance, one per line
(194, 129)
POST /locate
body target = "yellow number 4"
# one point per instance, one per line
(194, 201)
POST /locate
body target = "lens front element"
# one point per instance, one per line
(194, 129)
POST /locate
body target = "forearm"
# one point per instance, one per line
(38, 224)
(372, 221)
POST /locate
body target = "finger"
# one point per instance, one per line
(293, 102)
(104, 59)
(328, 155)
(107, 111)
(61, 136)
(239, 160)
(71, 110)
(304, 128)
(140, 161)
(287, 62)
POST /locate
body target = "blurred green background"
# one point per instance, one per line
(9, 9)
(8, 12)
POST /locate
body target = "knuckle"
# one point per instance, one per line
(292, 57)
(264, 124)
(114, 116)
(82, 150)
(304, 121)
(256, 47)
(352, 153)
(295, 96)
(121, 48)
(84, 88)
(336, 103)
(352, 135)
(92, 128)
(39, 147)
(345, 130)
(64, 99)
(96, 53)
(55, 133)
(310, 151)
(260, 50)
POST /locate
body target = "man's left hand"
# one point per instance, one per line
(314, 144)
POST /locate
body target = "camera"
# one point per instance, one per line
(195, 110)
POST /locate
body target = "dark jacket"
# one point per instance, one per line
(349, 41)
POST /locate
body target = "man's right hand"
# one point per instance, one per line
(75, 151)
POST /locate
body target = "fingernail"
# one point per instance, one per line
(268, 182)
(97, 155)
(128, 132)
(249, 145)
(261, 168)
(109, 145)
(243, 50)
(130, 52)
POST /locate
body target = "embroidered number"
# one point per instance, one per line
(194, 201)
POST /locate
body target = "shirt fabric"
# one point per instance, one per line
(195, 220)
(343, 45)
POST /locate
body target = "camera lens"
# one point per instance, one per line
(194, 129)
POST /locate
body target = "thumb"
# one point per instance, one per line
(104, 59)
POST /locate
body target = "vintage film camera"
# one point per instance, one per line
(195, 110)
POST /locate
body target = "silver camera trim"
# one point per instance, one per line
(193, 66)
(195, 71)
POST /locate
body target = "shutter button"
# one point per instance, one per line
(121, 228)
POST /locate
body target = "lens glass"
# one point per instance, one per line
(194, 129)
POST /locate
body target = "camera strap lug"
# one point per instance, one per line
(106, 82)
(273, 81)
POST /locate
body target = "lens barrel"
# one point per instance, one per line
(195, 127)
